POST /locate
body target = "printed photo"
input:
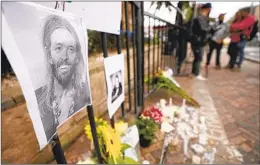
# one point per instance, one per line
(51, 47)
(66, 91)
(116, 85)
(114, 70)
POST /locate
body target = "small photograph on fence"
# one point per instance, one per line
(114, 69)
(53, 70)
(116, 82)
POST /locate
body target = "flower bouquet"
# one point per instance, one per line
(164, 79)
(109, 141)
(147, 123)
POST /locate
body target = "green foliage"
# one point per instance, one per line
(188, 13)
(95, 44)
(164, 82)
(125, 147)
(159, 4)
(161, 81)
(146, 127)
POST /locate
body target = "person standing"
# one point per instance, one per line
(200, 36)
(216, 41)
(240, 32)
(235, 39)
(245, 28)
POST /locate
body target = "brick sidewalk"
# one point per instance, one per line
(236, 97)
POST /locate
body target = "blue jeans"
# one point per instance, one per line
(241, 47)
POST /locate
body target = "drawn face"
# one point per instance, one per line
(63, 55)
(117, 82)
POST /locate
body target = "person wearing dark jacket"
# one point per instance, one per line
(200, 35)
(216, 41)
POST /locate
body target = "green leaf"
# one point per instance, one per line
(110, 160)
(127, 160)
(125, 147)
(163, 82)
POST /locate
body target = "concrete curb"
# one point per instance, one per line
(252, 60)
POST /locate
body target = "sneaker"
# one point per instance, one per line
(199, 77)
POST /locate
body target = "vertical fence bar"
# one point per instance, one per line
(149, 42)
(118, 46)
(167, 39)
(134, 56)
(153, 48)
(142, 48)
(91, 118)
(105, 54)
(127, 55)
(158, 48)
(162, 45)
(57, 150)
(139, 56)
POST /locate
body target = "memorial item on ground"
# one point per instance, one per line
(110, 144)
(146, 126)
(164, 79)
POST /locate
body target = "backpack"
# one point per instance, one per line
(254, 31)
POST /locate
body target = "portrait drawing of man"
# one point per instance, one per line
(67, 90)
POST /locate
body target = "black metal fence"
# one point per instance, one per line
(145, 63)
(149, 43)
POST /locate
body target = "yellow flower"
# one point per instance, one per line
(88, 132)
(112, 142)
(121, 127)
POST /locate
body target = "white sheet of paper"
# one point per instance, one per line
(100, 16)
(131, 138)
(131, 153)
(114, 70)
(66, 51)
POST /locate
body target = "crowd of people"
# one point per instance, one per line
(202, 33)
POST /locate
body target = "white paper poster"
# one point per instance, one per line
(100, 16)
(48, 51)
(131, 138)
(114, 70)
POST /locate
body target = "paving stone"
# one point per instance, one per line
(176, 159)
(245, 147)
(150, 158)
(238, 140)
